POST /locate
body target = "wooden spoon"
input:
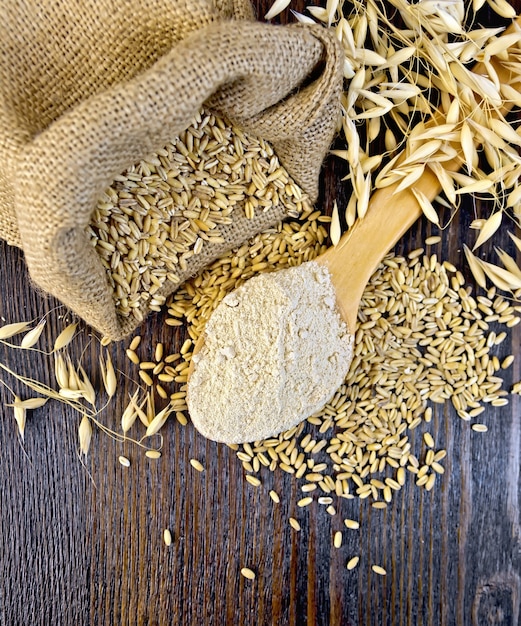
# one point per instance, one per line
(361, 249)
(389, 215)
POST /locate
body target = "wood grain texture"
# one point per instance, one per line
(82, 543)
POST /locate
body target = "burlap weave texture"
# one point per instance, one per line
(89, 87)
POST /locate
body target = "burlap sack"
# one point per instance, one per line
(89, 87)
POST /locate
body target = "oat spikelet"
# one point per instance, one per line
(129, 414)
(277, 7)
(151, 409)
(475, 267)
(303, 19)
(350, 212)
(423, 152)
(111, 382)
(139, 409)
(108, 375)
(514, 197)
(414, 174)
(331, 8)
(505, 131)
(335, 230)
(29, 403)
(503, 8)
(509, 263)
(71, 394)
(319, 13)
(20, 408)
(446, 181)
(469, 147)
(19, 415)
(499, 46)
(60, 371)
(86, 387)
(363, 194)
(9, 330)
(516, 240)
(489, 227)
(502, 278)
(74, 382)
(157, 423)
(400, 56)
(85, 434)
(32, 337)
(426, 206)
(65, 337)
(103, 370)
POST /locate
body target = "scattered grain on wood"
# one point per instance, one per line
(274, 496)
(134, 344)
(331, 510)
(353, 562)
(133, 356)
(253, 480)
(430, 482)
(352, 524)
(428, 343)
(167, 537)
(429, 441)
(248, 573)
(197, 465)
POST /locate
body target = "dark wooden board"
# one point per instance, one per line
(82, 543)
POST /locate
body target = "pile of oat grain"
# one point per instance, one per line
(422, 339)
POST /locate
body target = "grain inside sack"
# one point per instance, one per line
(153, 223)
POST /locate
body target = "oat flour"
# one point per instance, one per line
(275, 352)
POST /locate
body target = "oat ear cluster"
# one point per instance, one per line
(89, 87)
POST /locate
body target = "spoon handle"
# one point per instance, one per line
(360, 250)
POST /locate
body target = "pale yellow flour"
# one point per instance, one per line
(275, 352)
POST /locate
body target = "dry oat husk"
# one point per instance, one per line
(89, 87)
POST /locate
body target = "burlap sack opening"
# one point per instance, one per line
(60, 150)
